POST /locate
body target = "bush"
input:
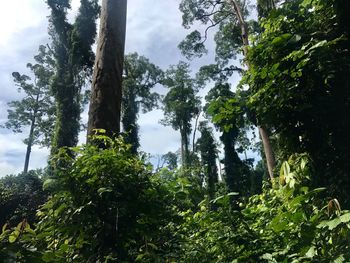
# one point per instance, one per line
(288, 223)
(20, 197)
(107, 206)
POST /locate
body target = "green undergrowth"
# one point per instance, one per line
(107, 205)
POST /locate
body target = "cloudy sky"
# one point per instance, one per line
(153, 29)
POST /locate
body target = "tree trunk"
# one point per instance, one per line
(194, 133)
(270, 160)
(263, 133)
(29, 146)
(184, 147)
(31, 136)
(106, 91)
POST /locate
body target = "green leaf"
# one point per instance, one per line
(319, 44)
(49, 256)
(340, 259)
(345, 218)
(102, 190)
(12, 238)
(278, 41)
(279, 223)
(294, 39)
(311, 252)
(4, 227)
(223, 198)
(49, 184)
(333, 223)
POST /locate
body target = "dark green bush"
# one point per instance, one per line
(107, 206)
(20, 197)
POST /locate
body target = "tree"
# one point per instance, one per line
(207, 147)
(20, 197)
(140, 78)
(36, 110)
(232, 36)
(170, 158)
(106, 91)
(71, 46)
(264, 7)
(300, 87)
(229, 120)
(181, 104)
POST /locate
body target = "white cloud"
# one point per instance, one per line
(13, 150)
(154, 137)
(17, 15)
(7, 169)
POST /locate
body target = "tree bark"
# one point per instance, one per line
(184, 148)
(31, 136)
(106, 91)
(29, 146)
(194, 133)
(270, 160)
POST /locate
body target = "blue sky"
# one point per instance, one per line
(153, 29)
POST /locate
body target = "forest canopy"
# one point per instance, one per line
(260, 172)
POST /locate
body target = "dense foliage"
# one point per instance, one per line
(107, 203)
(299, 82)
(20, 197)
(106, 206)
(141, 76)
(288, 223)
(181, 104)
(71, 45)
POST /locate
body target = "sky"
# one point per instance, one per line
(154, 29)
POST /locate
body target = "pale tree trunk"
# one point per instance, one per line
(194, 133)
(270, 160)
(29, 145)
(106, 91)
(31, 136)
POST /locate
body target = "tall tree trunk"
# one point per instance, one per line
(31, 136)
(270, 160)
(194, 133)
(182, 150)
(29, 145)
(106, 91)
(184, 147)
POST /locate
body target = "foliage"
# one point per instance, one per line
(226, 112)
(141, 76)
(299, 85)
(181, 104)
(71, 45)
(36, 110)
(208, 150)
(284, 224)
(170, 159)
(211, 14)
(20, 197)
(107, 207)
(37, 106)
